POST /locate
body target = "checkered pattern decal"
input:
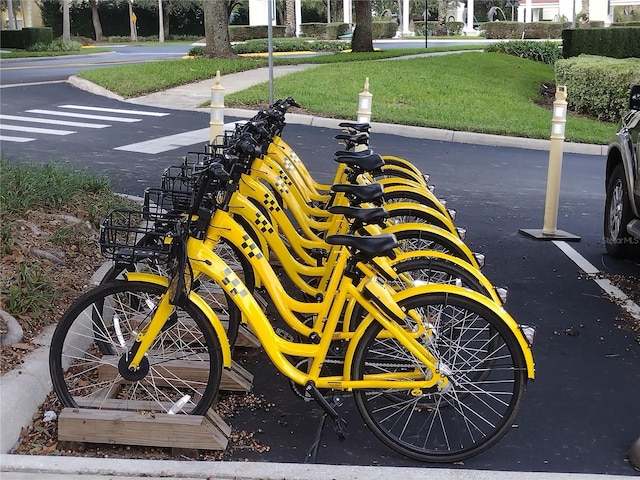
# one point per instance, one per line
(288, 166)
(271, 203)
(263, 224)
(282, 184)
(250, 248)
(232, 283)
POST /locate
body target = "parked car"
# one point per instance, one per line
(622, 182)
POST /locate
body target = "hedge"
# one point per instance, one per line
(598, 86)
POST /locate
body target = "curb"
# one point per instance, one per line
(26, 387)
(61, 467)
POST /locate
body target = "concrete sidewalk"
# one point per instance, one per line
(27, 386)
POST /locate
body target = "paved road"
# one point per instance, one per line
(580, 415)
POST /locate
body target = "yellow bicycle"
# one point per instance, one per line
(436, 371)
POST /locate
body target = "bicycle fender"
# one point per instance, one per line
(199, 302)
(487, 303)
(436, 231)
(438, 216)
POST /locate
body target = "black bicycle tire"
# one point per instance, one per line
(513, 399)
(70, 336)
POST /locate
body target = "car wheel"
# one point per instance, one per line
(617, 215)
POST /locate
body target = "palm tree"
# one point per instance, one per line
(66, 22)
(290, 18)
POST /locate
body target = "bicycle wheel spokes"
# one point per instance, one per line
(486, 373)
(88, 365)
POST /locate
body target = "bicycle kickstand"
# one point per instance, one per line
(339, 423)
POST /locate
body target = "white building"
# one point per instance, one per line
(607, 11)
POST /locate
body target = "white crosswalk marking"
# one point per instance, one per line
(171, 142)
(85, 115)
(5, 138)
(48, 131)
(116, 110)
(50, 121)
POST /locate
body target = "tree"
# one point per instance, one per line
(290, 18)
(66, 22)
(362, 40)
(216, 29)
(441, 27)
(95, 18)
(12, 21)
(132, 23)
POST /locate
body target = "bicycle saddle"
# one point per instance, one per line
(372, 192)
(369, 247)
(358, 127)
(361, 215)
(367, 163)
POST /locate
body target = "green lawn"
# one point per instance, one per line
(474, 91)
(468, 91)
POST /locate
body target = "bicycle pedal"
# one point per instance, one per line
(340, 427)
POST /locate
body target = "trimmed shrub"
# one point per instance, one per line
(241, 33)
(384, 29)
(11, 39)
(598, 86)
(546, 52)
(618, 42)
(31, 36)
(56, 46)
(519, 30)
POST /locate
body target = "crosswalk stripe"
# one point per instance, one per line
(116, 110)
(35, 130)
(84, 115)
(52, 122)
(6, 138)
(170, 142)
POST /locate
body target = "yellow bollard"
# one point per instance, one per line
(558, 121)
(365, 99)
(216, 122)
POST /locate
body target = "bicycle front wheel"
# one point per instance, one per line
(182, 368)
(487, 376)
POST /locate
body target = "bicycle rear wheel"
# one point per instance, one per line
(184, 362)
(487, 378)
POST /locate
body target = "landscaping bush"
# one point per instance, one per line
(384, 29)
(56, 46)
(618, 42)
(598, 86)
(294, 45)
(241, 33)
(546, 52)
(519, 30)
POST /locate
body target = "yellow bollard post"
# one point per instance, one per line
(558, 122)
(216, 122)
(365, 99)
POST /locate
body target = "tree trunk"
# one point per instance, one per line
(13, 22)
(132, 24)
(362, 40)
(290, 18)
(165, 25)
(216, 29)
(95, 18)
(585, 10)
(160, 22)
(441, 27)
(66, 22)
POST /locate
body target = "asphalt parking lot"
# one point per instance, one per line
(582, 412)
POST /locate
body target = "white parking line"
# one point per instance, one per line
(116, 110)
(51, 121)
(6, 138)
(48, 131)
(625, 302)
(84, 115)
(171, 142)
